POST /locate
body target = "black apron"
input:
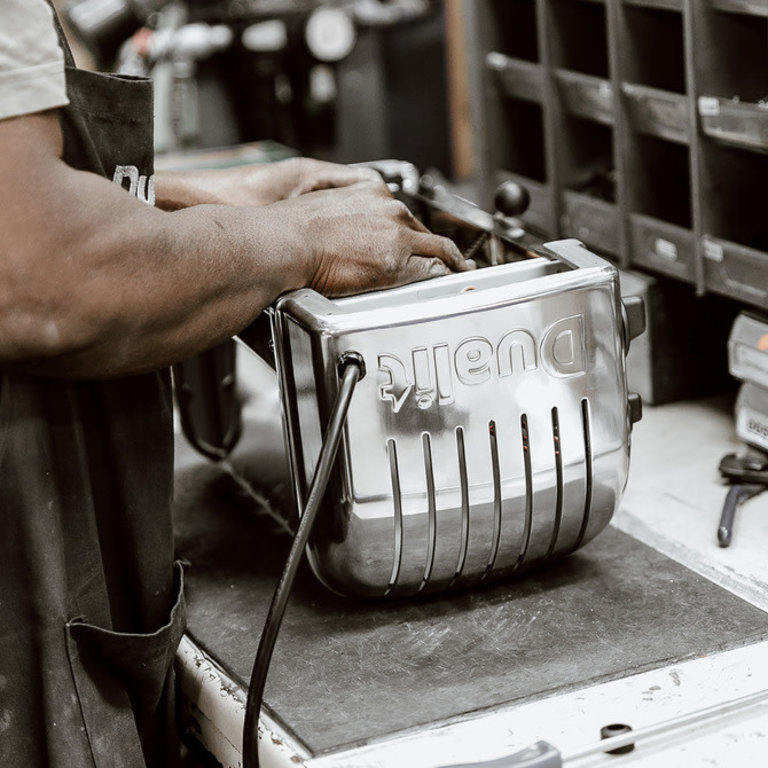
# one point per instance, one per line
(91, 608)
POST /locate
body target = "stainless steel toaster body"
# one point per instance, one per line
(489, 433)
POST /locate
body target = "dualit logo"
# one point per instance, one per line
(431, 374)
(128, 177)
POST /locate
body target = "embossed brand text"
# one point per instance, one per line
(432, 373)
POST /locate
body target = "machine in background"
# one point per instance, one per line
(747, 473)
(332, 79)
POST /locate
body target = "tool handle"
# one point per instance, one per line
(737, 494)
(725, 528)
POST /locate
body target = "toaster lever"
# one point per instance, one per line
(511, 199)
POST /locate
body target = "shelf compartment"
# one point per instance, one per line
(662, 247)
(659, 179)
(515, 78)
(734, 191)
(735, 123)
(733, 47)
(585, 96)
(652, 48)
(657, 113)
(585, 149)
(520, 148)
(539, 217)
(593, 221)
(749, 7)
(735, 271)
(512, 28)
(579, 37)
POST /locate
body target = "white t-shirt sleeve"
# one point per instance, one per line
(31, 60)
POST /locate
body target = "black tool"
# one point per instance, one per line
(748, 475)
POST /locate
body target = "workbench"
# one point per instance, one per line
(648, 622)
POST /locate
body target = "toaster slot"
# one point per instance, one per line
(453, 285)
(531, 491)
(496, 473)
(585, 421)
(558, 458)
(397, 509)
(512, 499)
(464, 485)
(562, 470)
(431, 511)
(526, 445)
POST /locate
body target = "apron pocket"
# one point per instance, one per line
(124, 683)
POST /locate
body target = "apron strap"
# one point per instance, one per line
(69, 59)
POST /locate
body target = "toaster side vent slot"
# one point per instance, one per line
(526, 445)
(496, 498)
(394, 472)
(464, 483)
(431, 510)
(558, 481)
(585, 421)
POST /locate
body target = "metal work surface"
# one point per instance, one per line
(347, 672)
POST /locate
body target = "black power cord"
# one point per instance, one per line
(351, 369)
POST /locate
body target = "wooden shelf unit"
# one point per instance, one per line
(639, 127)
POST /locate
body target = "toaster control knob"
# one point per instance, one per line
(511, 199)
(633, 310)
(635, 406)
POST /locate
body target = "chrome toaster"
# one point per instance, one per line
(490, 431)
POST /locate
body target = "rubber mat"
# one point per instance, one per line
(347, 672)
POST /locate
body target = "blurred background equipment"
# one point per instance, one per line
(343, 80)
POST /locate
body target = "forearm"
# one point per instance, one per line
(94, 282)
(133, 288)
(183, 189)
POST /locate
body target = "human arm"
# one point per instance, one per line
(255, 184)
(95, 283)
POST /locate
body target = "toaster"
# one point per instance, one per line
(490, 430)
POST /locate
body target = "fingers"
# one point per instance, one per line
(441, 248)
(366, 174)
(320, 175)
(422, 268)
(345, 175)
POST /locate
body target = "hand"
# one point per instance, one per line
(259, 184)
(360, 239)
(307, 175)
(268, 183)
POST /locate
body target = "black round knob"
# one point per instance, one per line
(511, 199)
(616, 729)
